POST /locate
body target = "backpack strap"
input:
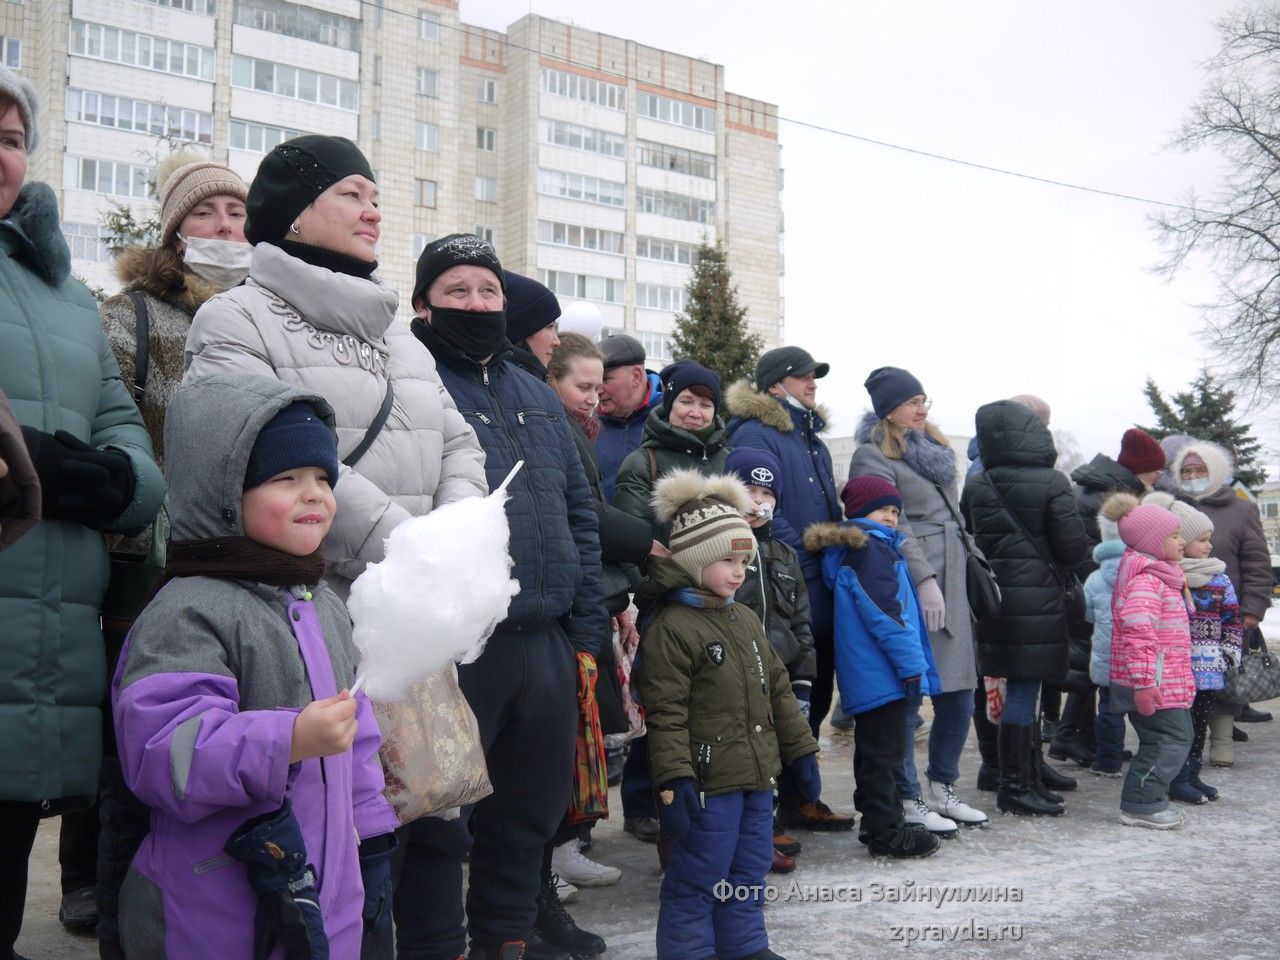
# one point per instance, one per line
(142, 341)
(653, 466)
(375, 428)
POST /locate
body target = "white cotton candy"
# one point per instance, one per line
(443, 587)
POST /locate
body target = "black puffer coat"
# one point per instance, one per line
(775, 590)
(1095, 481)
(1028, 641)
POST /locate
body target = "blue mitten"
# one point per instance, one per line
(678, 814)
(805, 770)
(803, 691)
(288, 915)
(375, 873)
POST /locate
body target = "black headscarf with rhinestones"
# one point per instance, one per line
(291, 177)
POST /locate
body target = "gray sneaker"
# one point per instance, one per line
(1166, 819)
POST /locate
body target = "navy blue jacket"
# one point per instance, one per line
(554, 540)
(808, 478)
(880, 637)
(620, 435)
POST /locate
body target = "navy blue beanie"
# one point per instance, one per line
(294, 437)
(756, 468)
(684, 376)
(530, 306)
(890, 387)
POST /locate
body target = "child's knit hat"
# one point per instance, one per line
(1140, 452)
(862, 495)
(295, 437)
(1194, 524)
(707, 519)
(1144, 527)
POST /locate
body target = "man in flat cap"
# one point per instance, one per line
(627, 395)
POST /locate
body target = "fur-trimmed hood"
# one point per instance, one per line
(34, 220)
(745, 403)
(138, 268)
(819, 536)
(1220, 463)
(681, 486)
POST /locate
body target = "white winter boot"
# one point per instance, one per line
(941, 798)
(917, 811)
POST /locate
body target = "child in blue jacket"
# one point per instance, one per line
(1108, 727)
(883, 656)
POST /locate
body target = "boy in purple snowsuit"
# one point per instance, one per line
(231, 700)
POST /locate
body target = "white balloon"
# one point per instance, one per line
(582, 317)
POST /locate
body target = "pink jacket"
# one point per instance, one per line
(1151, 633)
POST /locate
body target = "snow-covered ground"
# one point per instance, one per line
(1072, 888)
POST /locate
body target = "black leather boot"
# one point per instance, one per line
(1017, 792)
(556, 928)
(1048, 780)
(988, 744)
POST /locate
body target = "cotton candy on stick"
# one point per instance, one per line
(441, 589)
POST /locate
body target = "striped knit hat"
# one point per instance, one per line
(707, 519)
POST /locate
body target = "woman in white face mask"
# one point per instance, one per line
(202, 251)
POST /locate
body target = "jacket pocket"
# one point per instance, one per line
(785, 591)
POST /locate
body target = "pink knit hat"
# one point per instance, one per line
(1146, 528)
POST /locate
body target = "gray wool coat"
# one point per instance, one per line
(934, 548)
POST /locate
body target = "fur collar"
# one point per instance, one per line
(924, 455)
(743, 402)
(35, 220)
(138, 270)
(819, 536)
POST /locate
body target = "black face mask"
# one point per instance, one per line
(477, 333)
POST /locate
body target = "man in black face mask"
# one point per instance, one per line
(523, 688)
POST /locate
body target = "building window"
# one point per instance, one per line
(377, 13)
(669, 251)
(88, 106)
(108, 176)
(86, 242)
(679, 112)
(141, 50)
(571, 135)
(258, 137)
(584, 238)
(377, 69)
(484, 233)
(1270, 509)
(558, 183)
(582, 286)
(657, 347)
(428, 26)
(486, 139)
(676, 159)
(427, 82)
(295, 20)
(294, 82)
(564, 84)
(425, 193)
(11, 52)
(487, 189)
(656, 296)
(675, 205)
(375, 126)
(427, 137)
(205, 7)
(487, 90)
(420, 241)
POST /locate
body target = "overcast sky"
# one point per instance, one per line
(982, 285)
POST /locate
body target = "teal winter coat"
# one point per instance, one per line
(59, 374)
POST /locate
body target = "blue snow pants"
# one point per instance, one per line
(712, 897)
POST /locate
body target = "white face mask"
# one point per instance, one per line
(222, 264)
(1196, 486)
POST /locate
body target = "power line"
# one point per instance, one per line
(835, 131)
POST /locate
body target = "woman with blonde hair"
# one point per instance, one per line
(898, 443)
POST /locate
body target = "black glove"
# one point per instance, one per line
(375, 872)
(91, 487)
(911, 686)
(288, 902)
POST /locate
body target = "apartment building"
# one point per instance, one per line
(595, 163)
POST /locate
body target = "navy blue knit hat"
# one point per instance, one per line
(890, 387)
(686, 376)
(756, 468)
(294, 437)
(530, 306)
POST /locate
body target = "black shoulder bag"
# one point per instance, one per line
(981, 587)
(375, 428)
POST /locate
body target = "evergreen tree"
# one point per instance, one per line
(1206, 411)
(713, 328)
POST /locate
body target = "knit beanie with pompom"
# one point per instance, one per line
(1144, 528)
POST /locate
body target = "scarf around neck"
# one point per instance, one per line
(589, 424)
(239, 558)
(702, 599)
(329, 259)
(1199, 572)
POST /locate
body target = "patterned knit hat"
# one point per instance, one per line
(1143, 527)
(707, 519)
(1194, 524)
(183, 180)
(1140, 452)
(862, 495)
